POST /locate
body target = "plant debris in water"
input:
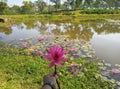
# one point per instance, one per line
(110, 73)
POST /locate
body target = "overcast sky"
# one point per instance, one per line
(17, 2)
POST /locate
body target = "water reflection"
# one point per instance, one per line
(82, 30)
(107, 47)
(18, 32)
(102, 34)
(5, 30)
(50, 27)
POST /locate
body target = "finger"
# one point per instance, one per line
(56, 75)
(51, 74)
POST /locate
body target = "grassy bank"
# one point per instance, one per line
(72, 18)
(21, 71)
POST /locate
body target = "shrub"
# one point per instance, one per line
(99, 11)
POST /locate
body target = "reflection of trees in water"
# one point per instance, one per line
(86, 30)
(6, 30)
(76, 33)
(82, 30)
(29, 24)
(107, 28)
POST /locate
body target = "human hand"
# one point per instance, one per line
(50, 78)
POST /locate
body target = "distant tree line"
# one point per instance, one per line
(41, 6)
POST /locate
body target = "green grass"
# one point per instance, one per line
(21, 71)
(16, 19)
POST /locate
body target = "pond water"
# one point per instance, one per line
(103, 35)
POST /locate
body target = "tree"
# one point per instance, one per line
(69, 4)
(15, 9)
(40, 5)
(27, 8)
(110, 3)
(3, 6)
(57, 3)
(97, 4)
(117, 4)
(78, 4)
(74, 4)
(88, 3)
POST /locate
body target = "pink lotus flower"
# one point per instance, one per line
(115, 71)
(73, 64)
(56, 55)
(37, 52)
(25, 45)
(40, 53)
(41, 38)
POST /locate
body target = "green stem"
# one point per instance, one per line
(56, 79)
(55, 70)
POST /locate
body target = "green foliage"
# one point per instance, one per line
(27, 8)
(57, 4)
(3, 6)
(41, 6)
(99, 11)
(67, 13)
(20, 71)
(15, 9)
